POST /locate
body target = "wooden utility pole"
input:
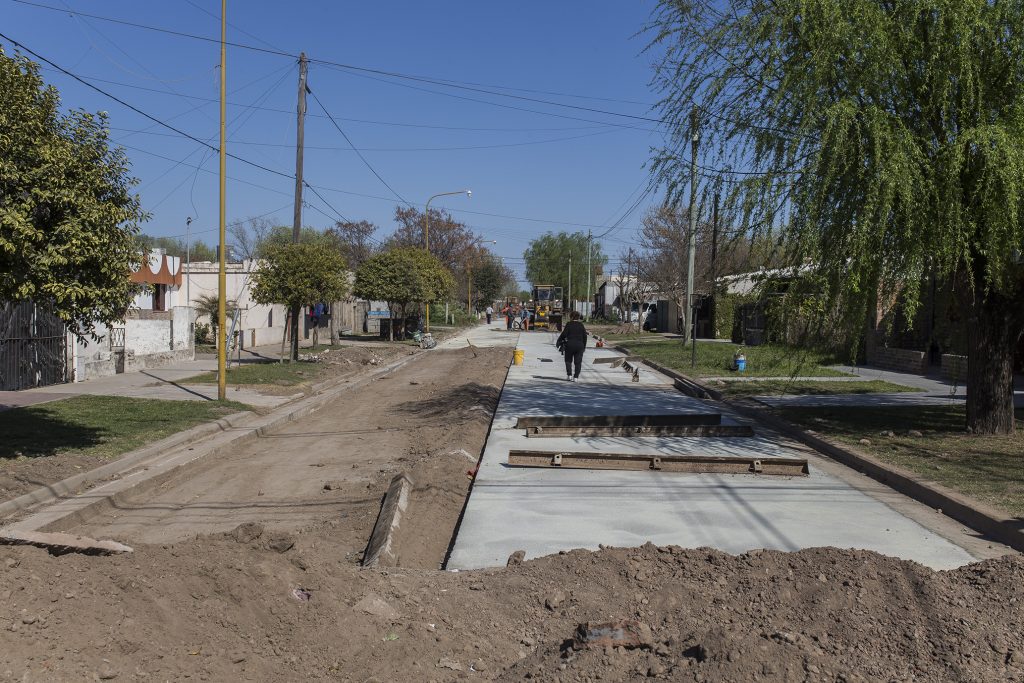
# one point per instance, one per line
(222, 280)
(297, 222)
(694, 141)
(714, 269)
(590, 274)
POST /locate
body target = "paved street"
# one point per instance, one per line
(554, 509)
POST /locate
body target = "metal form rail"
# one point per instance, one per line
(693, 464)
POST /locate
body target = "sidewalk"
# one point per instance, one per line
(547, 510)
(934, 390)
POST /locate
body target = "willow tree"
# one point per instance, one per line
(879, 140)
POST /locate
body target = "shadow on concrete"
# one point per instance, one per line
(175, 385)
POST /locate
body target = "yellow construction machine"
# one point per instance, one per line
(546, 307)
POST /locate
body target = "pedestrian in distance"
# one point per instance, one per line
(490, 312)
(573, 341)
(507, 312)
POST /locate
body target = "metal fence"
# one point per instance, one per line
(33, 347)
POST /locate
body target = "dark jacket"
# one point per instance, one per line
(574, 334)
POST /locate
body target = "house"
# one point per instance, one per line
(156, 330)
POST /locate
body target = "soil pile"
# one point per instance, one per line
(218, 608)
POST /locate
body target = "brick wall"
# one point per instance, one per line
(954, 367)
(898, 360)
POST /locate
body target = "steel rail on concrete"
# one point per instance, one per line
(703, 464)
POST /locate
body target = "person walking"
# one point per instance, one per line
(573, 341)
(490, 312)
(507, 312)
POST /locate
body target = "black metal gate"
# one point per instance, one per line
(33, 347)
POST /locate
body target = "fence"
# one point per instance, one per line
(33, 347)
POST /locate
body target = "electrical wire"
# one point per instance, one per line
(358, 153)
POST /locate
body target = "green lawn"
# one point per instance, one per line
(714, 359)
(777, 387)
(281, 374)
(101, 426)
(987, 468)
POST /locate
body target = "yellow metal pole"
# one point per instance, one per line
(222, 280)
(469, 289)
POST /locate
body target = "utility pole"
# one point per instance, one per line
(714, 257)
(694, 140)
(297, 222)
(590, 273)
(569, 297)
(222, 280)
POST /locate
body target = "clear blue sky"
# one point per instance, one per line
(549, 166)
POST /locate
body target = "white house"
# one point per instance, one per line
(258, 324)
(156, 331)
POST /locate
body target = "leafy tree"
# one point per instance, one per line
(355, 241)
(450, 240)
(490, 278)
(300, 273)
(888, 143)
(547, 262)
(176, 246)
(402, 277)
(68, 218)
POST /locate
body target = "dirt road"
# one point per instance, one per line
(282, 598)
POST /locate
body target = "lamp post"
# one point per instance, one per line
(469, 275)
(426, 229)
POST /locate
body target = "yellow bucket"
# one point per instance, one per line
(517, 357)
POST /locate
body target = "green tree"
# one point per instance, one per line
(491, 277)
(547, 262)
(402, 277)
(68, 218)
(887, 143)
(176, 246)
(300, 273)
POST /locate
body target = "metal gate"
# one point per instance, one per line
(33, 347)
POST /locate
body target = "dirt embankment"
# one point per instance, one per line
(218, 609)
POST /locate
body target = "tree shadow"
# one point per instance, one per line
(35, 433)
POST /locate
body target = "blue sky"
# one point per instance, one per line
(550, 166)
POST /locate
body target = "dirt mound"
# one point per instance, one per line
(218, 609)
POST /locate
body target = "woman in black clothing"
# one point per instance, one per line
(572, 341)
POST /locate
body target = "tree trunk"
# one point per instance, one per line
(991, 338)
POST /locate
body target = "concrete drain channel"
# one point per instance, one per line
(688, 424)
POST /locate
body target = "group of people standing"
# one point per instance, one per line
(512, 314)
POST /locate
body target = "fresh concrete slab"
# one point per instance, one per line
(542, 511)
(482, 335)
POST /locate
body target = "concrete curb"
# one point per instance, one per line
(66, 487)
(379, 551)
(993, 523)
(147, 468)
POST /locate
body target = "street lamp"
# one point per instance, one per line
(469, 275)
(426, 229)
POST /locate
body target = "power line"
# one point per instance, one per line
(399, 75)
(139, 111)
(391, 149)
(354, 149)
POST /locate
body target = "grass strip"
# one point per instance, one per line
(100, 426)
(775, 387)
(931, 441)
(715, 359)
